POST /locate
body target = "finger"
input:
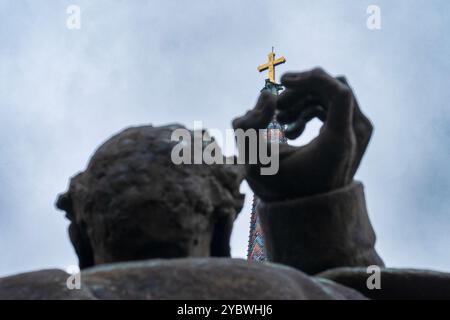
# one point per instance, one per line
(290, 105)
(288, 98)
(287, 116)
(361, 123)
(292, 114)
(260, 116)
(359, 119)
(363, 130)
(291, 98)
(330, 91)
(295, 129)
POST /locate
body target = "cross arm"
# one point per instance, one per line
(263, 67)
(279, 61)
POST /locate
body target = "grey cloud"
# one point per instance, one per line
(63, 92)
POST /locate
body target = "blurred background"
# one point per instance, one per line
(63, 92)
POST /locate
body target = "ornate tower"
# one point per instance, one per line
(256, 251)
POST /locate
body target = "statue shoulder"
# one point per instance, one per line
(187, 278)
(49, 284)
(208, 278)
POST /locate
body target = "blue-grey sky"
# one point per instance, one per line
(63, 92)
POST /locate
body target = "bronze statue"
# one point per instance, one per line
(144, 228)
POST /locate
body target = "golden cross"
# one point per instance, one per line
(271, 65)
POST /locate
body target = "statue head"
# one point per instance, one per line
(132, 202)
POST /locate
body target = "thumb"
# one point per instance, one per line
(260, 116)
(254, 120)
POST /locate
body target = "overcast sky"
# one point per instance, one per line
(63, 92)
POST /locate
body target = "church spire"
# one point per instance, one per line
(256, 250)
